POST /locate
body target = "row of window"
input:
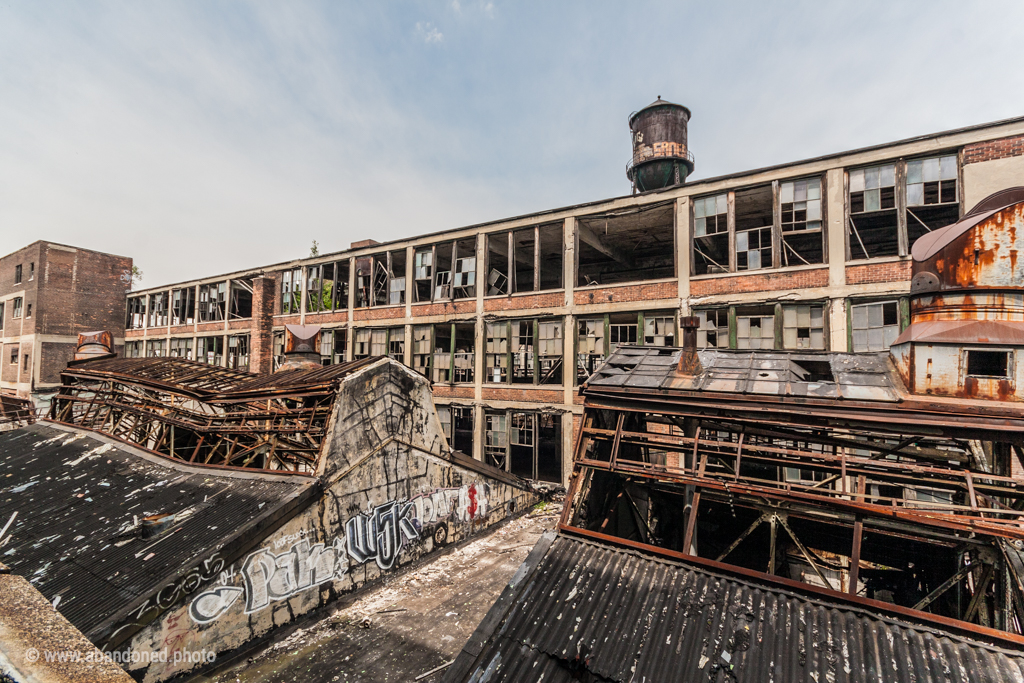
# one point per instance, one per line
(14, 355)
(210, 350)
(212, 302)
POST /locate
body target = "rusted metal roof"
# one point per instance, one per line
(960, 332)
(80, 502)
(933, 242)
(582, 610)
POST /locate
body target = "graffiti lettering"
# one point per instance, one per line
(381, 533)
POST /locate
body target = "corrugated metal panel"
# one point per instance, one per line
(637, 618)
(79, 502)
(964, 332)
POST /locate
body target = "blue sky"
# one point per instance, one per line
(204, 137)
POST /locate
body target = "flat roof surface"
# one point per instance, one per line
(80, 500)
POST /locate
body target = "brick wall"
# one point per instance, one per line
(448, 391)
(761, 282)
(465, 306)
(176, 330)
(384, 313)
(994, 149)
(326, 318)
(646, 292)
(527, 395)
(9, 372)
(894, 271)
(261, 343)
(80, 291)
(137, 334)
(525, 302)
(208, 328)
(54, 358)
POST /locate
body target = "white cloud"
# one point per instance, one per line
(456, 6)
(429, 32)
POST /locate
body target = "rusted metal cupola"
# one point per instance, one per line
(661, 157)
(966, 337)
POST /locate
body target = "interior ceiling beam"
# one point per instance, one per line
(500, 246)
(594, 240)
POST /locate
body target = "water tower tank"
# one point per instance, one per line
(660, 155)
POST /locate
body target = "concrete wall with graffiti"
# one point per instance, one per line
(390, 498)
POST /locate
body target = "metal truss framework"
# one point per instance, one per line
(15, 412)
(920, 516)
(205, 415)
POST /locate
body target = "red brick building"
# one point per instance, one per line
(508, 317)
(48, 294)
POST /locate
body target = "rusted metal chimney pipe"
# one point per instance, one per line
(689, 361)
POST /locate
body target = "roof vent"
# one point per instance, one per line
(95, 345)
(301, 348)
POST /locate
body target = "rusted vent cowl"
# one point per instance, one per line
(689, 361)
(155, 525)
(95, 345)
(301, 348)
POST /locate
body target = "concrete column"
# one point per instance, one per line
(569, 324)
(261, 340)
(835, 182)
(683, 237)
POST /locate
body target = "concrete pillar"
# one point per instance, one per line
(835, 184)
(682, 231)
(261, 342)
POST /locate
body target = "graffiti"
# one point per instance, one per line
(379, 534)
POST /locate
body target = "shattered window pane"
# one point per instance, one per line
(711, 235)
(713, 331)
(496, 439)
(932, 181)
(660, 331)
(181, 348)
(873, 189)
(396, 344)
(550, 351)
(421, 349)
(158, 309)
(361, 344)
(803, 327)
(754, 249)
(875, 325)
(378, 342)
(238, 352)
(800, 202)
(755, 331)
(496, 359)
(522, 351)
(136, 318)
(156, 348)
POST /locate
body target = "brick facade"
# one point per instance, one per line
(760, 282)
(452, 391)
(525, 302)
(994, 149)
(261, 340)
(491, 393)
(641, 292)
(462, 307)
(382, 313)
(894, 271)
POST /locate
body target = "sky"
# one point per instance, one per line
(203, 137)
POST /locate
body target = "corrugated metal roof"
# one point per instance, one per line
(964, 332)
(79, 502)
(591, 612)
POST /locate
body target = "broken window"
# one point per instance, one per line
(497, 352)
(527, 444)
(460, 428)
(291, 291)
(158, 309)
(361, 344)
(396, 344)
(135, 320)
(754, 220)
(17, 274)
(627, 246)
(622, 329)
(800, 209)
(932, 197)
(238, 352)
(495, 439)
(364, 281)
(278, 357)
(464, 277)
(523, 247)
(550, 252)
(550, 351)
(875, 325)
(183, 306)
(181, 348)
(333, 344)
(396, 277)
(874, 219)
(803, 327)
(522, 352)
(210, 350)
(327, 287)
(378, 343)
(711, 235)
(659, 331)
(156, 348)
(212, 301)
(497, 263)
(422, 348)
(591, 347)
(713, 331)
(240, 300)
(14, 352)
(453, 358)
(132, 349)
(2, 307)
(536, 260)
(441, 365)
(380, 279)
(443, 272)
(755, 328)
(423, 273)
(989, 364)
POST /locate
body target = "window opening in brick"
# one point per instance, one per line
(464, 277)
(2, 307)
(210, 350)
(14, 354)
(238, 352)
(497, 264)
(443, 271)
(932, 196)
(622, 329)
(659, 331)
(523, 245)
(28, 310)
(441, 369)
(213, 300)
(803, 327)
(755, 328)
(522, 352)
(550, 352)
(713, 332)
(156, 348)
(422, 349)
(17, 274)
(754, 219)
(423, 273)
(135, 319)
(183, 306)
(291, 291)
(591, 347)
(181, 348)
(240, 301)
(496, 358)
(874, 219)
(31, 271)
(875, 325)
(361, 344)
(396, 344)
(278, 350)
(711, 235)
(496, 439)
(627, 246)
(800, 208)
(396, 276)
(25, 365)
(988, 363)
(551, 250)
(319, 288)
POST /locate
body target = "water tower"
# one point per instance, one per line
(660, 155)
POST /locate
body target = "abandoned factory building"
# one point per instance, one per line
(508, 318)
(173, 505)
